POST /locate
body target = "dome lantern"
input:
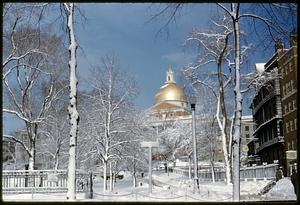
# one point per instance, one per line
(170, 76)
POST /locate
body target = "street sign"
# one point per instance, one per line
(149, 144)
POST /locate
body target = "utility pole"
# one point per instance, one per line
(150, 145)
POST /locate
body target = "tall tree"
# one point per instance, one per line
(215, 50)
(73, 114)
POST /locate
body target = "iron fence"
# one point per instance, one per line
(246, 173)
(40, 181)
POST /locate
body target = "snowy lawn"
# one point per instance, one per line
(172, 187)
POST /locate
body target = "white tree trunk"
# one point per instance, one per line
(56, 162)
(73, 114)
(238, 113)
(114, 181)
(32, 148)
(104, 175)
(134, 173)
(212, 163)
(212, 171)
(134, 180)
(224, 145)
(110, 178)
(190, 168)
(31, 157)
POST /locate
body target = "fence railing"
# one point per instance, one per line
(39, 181)
(246, 173)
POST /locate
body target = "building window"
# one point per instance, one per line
(294, 104)
(289, 146)
(286, 68)
(286, 109)
(292, 85)
(295, 122)
(291, 125)
(293, 145)
(291, 67)
(287, 125)
(288, 87)
(246, 128)
(290, 106)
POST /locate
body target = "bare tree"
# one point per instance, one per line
(216, 49)
(109, 122)
(52, 145)
(233, 11)
(134, 157)
(175, 140)
(208, 138)
(31, 67)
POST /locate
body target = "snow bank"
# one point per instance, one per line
(260, 67)
(283, 189)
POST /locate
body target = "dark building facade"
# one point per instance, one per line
(287, 69)
(267, 115)
(274, 109)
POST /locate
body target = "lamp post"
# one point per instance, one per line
(196, 180)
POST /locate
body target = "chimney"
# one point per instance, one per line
(293, 39)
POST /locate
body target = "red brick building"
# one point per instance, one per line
(287, 69)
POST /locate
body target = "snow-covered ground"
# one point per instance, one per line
(283, 190)
(171, 187)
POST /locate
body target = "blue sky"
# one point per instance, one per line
(122, 29)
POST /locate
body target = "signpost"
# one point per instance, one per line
(150, 145)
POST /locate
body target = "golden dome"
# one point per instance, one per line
(170, 92)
